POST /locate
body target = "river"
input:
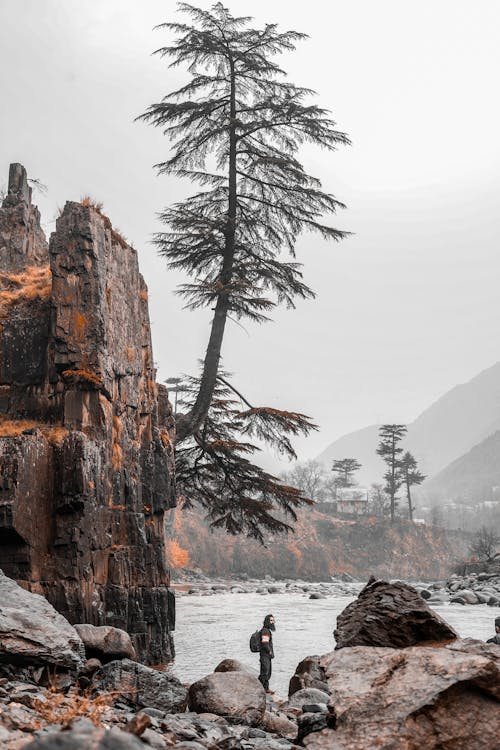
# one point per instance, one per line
(212, 628)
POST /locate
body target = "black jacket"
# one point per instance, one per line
(266, 642)
(495, 639)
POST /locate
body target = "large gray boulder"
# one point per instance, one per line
(234, 695)
(33, 633)
(85, 736)
(105, 642)
(412, 698)
(233, 665)
(307, 696)
(308, 674)
(390, 615)
(141, 686)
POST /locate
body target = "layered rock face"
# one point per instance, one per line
(86, 463)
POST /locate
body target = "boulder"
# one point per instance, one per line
(307, 696)
(85, 736)
(279, 724)
(469, 596)
(141, 686)
(234, 695)
(390, 615)
(413, 698)
(105, 642)
(308, 673)
(233, 665)
(33, 633)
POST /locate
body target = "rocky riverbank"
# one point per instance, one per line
(195, 584)
(399, 679)
(475, 588)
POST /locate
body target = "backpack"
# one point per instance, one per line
(255, 642)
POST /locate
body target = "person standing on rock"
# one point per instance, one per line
(266, 651)
(496, 637)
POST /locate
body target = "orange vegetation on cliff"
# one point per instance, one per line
(82, 377)
(34, 283)
(97, 207)
(177, 556)
(54, 434)
(14, 427)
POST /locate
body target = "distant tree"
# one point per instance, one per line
(344, 469)
(485, 544)
(236, 128)
(379, 501)
(309, 477)
(411, 476)
(390, 452)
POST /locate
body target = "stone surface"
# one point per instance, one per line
(308, 695)
(412, 698)
(279, 724)
(390, 614)
(85, 736)
(33, 633)
(234, 695)
(105, 643)
(141, 686)
(138, 724)
(86, 459)
(233, 665)
(308, 673)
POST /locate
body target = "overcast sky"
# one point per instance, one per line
(407, 307)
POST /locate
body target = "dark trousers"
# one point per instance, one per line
(265, 670)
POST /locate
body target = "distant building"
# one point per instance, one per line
(352, 500)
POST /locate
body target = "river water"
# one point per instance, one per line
(212, 628)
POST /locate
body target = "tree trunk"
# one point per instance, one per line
(393, 480)
(189, 423)
(408, 495)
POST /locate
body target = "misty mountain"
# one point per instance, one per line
(360, 444)
(459, 420)
(474, 476)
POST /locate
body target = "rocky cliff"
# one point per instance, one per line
(86, 464)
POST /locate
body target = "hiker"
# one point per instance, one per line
(266, 651)
(496, 637)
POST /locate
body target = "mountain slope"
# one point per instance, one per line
(462, 418)
(360, 444)
(473, 476)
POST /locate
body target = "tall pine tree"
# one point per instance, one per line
(236, 128)
(390, 452)
(411, 476)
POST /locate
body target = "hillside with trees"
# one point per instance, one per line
(322, 546)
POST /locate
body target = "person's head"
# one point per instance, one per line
(269, 622)
(497, 624)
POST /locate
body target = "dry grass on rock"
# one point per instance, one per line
(60, 708)
(34, 283)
